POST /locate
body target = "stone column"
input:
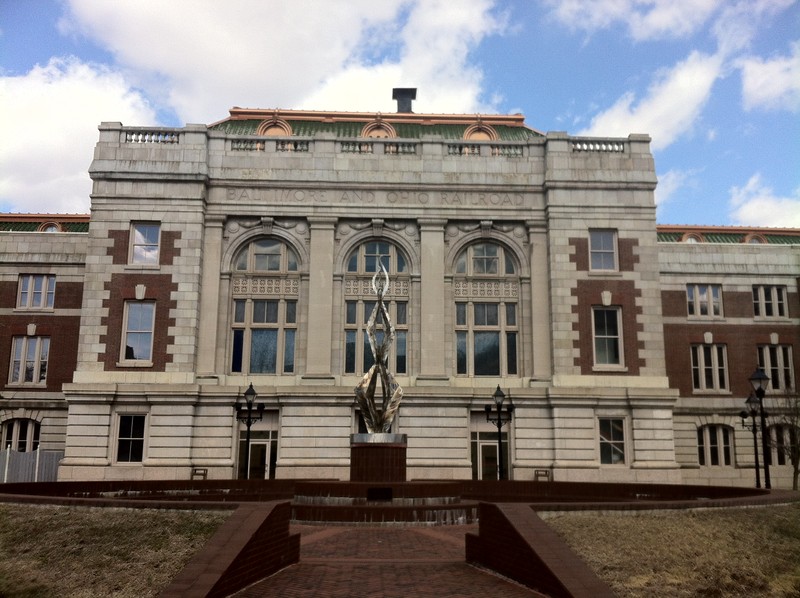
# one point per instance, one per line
(209, 298)
(320, 303)
(432, 313)
(540, 301)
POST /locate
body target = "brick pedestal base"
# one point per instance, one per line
(378, 458)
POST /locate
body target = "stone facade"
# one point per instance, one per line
(518, 259)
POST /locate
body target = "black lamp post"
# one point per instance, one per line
(247, 417)
(499, 419)
(759, 380)
(751, 411)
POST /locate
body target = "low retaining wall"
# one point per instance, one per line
(252, 544)
(513, 541)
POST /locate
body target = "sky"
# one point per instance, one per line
(715, 83)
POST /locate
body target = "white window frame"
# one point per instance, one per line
(700, 297)
(33, 350)
(475, 258)
(769, 297)
(781, 436)
(247, 320)
(366, 257)
(357, 356)
(620, 363)
(700, 355)
(144, 251)
(467, 327)
(27, 295)
(715, 445)
(777, 363)
(128, 329)
(617, 445)
(602, 244)
(12, 441)
(120, 438)
(266, 255)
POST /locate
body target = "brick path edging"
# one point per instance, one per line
(252, 544)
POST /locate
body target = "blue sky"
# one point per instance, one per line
(715, 83)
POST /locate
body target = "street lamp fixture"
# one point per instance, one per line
(760, 381)
(500, 418)
(245, 415)
(752, 410)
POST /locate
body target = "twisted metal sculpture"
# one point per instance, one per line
(379, 420)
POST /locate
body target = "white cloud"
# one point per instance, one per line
(49, 122)
(669, 183)
(644, 19)
(301, 54)
(772, 84)
(670, 107)
(756, 204)
(739, 22)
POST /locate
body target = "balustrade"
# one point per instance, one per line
(151, 136)
(595, 145)
(463, 149)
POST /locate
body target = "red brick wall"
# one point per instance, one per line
(741, 341)
(63, 332)
(623, 294)
(122, 288)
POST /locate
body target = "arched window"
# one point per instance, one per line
(264, 308)
(715, 445)
(266, 255)
(360, 300)
(486, 311)
(21, 435)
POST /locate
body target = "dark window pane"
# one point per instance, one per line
(487, 354)
(238, 348)
(263, 351)
(288, 351)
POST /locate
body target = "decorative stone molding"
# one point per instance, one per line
(265, 285)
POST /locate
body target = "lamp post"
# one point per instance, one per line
(760, 381)
(499, 419)
(751, 411)
(246, 416)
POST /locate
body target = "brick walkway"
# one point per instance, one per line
(385, 562)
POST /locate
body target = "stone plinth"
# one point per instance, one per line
(378, 458)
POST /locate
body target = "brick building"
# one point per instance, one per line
(242, 252)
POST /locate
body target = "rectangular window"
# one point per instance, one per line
(612, 441)
(36, 291)
(145, 243)
(486, 339)
(704, 300)
(602, 249)
(769, 301)
(264, 336)
(714, 445)
(130, 441)
(607, 339)
(776, 361)
(709, 367)
(29, 357)
(137, 338)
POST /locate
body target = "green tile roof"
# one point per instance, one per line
(728, 237)
(306, 128)
(33, 226)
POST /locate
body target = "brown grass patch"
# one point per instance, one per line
(710, 553)
(83, 552)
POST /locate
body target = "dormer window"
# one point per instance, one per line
(480, 132)
(378, 129)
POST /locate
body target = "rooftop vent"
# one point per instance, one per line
(404, 95)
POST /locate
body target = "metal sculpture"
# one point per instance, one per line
(379, 420)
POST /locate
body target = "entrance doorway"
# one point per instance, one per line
(484, 455)
(263, 454)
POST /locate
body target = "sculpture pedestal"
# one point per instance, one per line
(378, 457)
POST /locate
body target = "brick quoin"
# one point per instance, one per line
(624, 295)
(122, 287)
(626, 258)
(167, 253)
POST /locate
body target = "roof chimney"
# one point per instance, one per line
(404, 95)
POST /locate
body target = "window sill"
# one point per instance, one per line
(36, 385)
(612, 273)
(711, 392)
(143, 266)
(610, 369)
(135, 364)
(28, 310)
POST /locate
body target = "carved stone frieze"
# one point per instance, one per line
(357, 287)
(475, 289)
(265, 285)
